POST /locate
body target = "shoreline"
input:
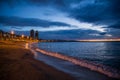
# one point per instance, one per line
(102, 70)
(18, 63)
(105, 70)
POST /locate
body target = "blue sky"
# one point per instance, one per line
(62, 19)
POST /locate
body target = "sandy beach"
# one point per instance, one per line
(18, 63)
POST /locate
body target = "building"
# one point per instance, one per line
(32, 34)
(36, 35)
(1, 34)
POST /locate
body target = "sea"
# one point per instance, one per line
(103, 57)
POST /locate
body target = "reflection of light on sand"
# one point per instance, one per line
(31, 48)
(26, 46)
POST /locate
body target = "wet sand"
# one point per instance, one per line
(18, 63)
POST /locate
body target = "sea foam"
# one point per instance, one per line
(87, 64)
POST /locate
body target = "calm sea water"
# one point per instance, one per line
(106, 53)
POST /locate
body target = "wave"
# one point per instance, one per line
(87, 64)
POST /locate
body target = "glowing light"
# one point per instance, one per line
(27, 37)
(26, 46)
(22, 36)
(12, 32)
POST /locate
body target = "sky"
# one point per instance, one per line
(62, 19)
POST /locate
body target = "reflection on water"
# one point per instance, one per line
(107, 53)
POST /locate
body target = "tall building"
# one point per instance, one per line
(36, 35)
(32, 34)
(1, 33)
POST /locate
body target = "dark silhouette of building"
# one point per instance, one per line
(36, 35)
(32, 34)
(1, 34)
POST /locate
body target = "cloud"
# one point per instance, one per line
(73, 34)
(98, 12)
(103, 35)
(115, 25)
(53, 25)
(17, 21)
(105, 12)
(41, 29)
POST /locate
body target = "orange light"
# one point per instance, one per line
(26, 46)
(22, 36)
(12, 32)
(27, 37)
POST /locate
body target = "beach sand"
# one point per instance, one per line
(18, 63)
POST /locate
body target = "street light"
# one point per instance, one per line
(12, 33)
(27, 37)
(22, 36)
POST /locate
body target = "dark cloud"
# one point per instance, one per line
(103, 33)
(48, 2)
(92, 11)
(11, 3)
(17, 21)
(100, 12)
(116, 25)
